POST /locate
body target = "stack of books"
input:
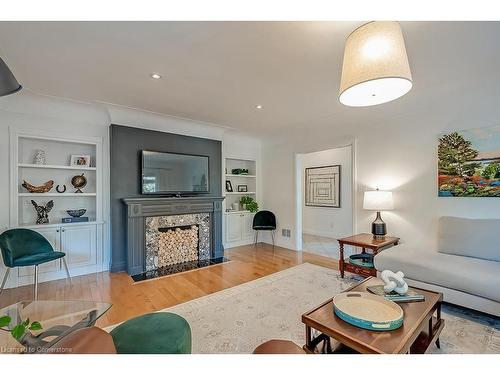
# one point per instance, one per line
(410, 296)
(81, 219)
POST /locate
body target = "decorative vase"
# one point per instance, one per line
(40, 157)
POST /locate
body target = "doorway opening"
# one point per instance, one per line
(324, 200)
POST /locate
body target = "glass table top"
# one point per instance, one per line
(58, 318)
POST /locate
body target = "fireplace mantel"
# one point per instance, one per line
(139, 208)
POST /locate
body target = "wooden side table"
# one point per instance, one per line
(365, 241)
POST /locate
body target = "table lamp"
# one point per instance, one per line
(378, 200)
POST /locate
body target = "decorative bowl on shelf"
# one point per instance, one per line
(45, 188)
(76, 213)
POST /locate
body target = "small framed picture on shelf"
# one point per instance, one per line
(80, 161)
(229, 186)
(242, 188)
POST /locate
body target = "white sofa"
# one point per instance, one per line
(465, 267)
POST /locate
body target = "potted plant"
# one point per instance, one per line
(249, 204)
(19, 330)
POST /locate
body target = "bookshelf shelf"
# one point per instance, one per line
(48, 166)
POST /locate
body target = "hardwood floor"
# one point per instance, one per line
(130, 299)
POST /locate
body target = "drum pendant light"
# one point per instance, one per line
(375, 68)
(8, 83)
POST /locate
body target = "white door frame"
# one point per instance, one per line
(299, 189)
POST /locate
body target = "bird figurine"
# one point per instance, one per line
(43, 211)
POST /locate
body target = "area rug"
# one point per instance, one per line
(238, 319)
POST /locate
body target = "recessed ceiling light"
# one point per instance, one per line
(258, 106)
(155, 76)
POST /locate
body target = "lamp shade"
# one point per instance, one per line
(375, 68)
(8, 83)
(378, 200)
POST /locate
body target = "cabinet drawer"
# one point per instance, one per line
(360, 270)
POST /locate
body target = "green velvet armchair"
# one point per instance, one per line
(25, 247)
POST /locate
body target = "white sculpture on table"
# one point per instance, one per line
(394, 282)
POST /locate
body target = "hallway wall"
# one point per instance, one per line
(326, 221)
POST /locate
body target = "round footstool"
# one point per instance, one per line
(278, 347)
(157, 333)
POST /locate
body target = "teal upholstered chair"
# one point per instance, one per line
(156, 333)
(264, 220)
(25, 247)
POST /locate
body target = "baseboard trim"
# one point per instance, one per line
(118, 267)
(320, 233)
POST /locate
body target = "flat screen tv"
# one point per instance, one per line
(172, 173)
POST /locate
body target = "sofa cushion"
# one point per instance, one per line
(466, 274)
(478, 238)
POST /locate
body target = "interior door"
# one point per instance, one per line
(80, 245)
(52, 235)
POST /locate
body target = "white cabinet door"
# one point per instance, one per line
(80, 245)
(233, 227)
(52, 235)
(247, 231)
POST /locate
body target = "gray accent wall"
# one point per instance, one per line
(126, 144)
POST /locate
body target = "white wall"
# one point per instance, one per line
(398, 154)
(27, 110)
(324, 221)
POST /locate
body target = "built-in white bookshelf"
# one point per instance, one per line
(249, 181)
(58, 168)
(238, 222)
(81, 241)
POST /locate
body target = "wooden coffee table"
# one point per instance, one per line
(421, 327)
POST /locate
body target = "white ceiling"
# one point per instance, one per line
(218, 71)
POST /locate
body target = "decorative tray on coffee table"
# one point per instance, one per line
(368, 311)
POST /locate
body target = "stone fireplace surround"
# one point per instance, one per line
(159, 227)
(139, 209)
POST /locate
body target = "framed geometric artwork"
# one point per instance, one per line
(323, 186)
(469, 163)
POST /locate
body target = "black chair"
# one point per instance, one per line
(264, 220)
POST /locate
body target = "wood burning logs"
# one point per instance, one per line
(177, 246)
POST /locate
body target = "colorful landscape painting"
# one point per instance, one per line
(469, 163)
